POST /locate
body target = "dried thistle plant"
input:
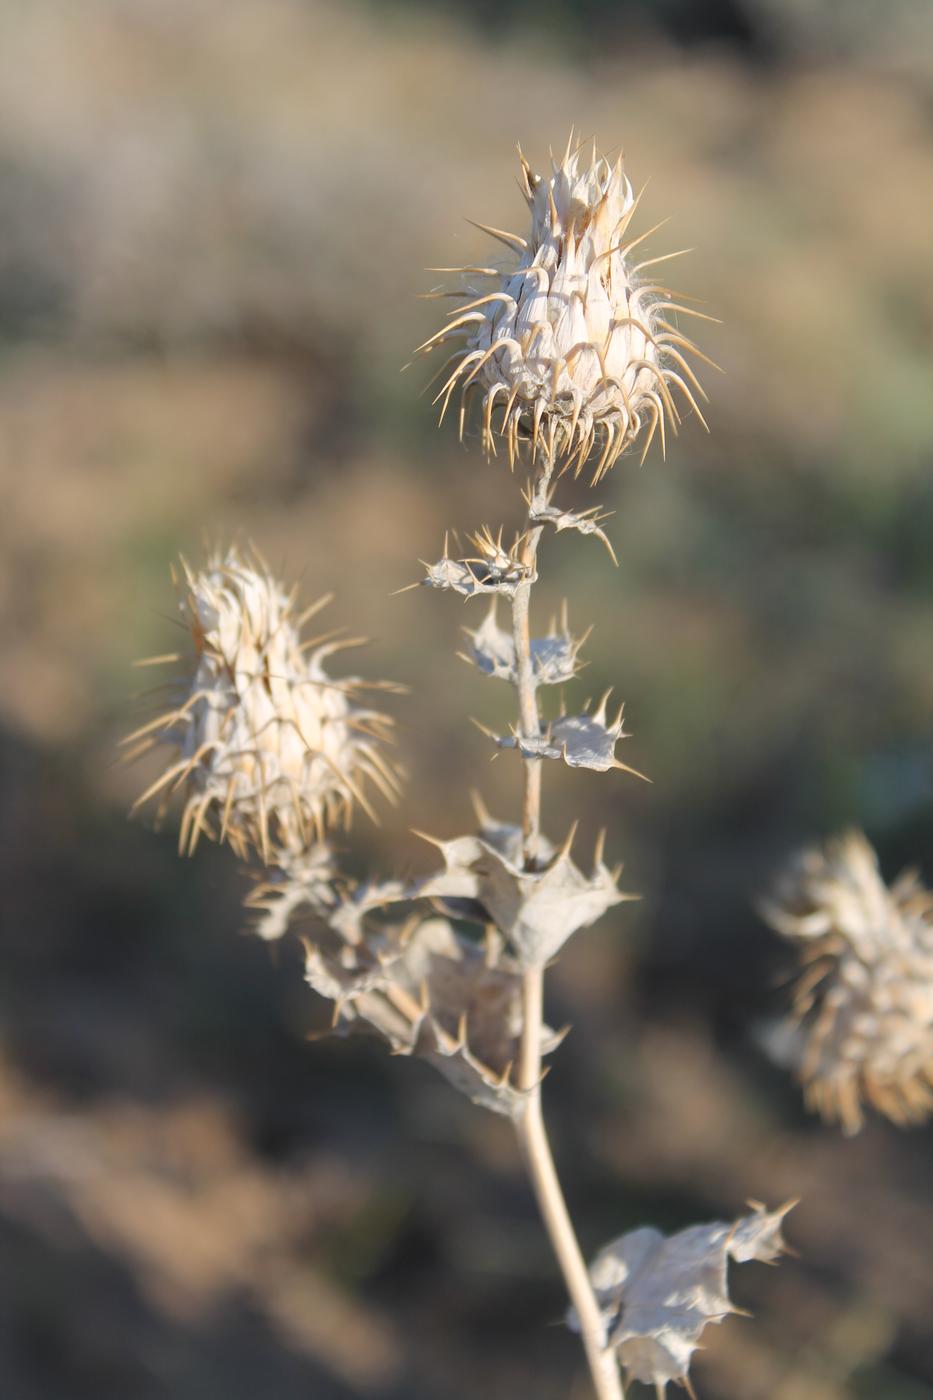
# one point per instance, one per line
(863, 1003)
(575, 351)
(574, 357)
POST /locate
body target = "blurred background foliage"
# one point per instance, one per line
(215, 222)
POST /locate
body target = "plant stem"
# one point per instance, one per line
(529, 718)
(530, 1127)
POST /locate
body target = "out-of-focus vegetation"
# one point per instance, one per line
(215, 222)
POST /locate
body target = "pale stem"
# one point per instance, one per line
(530, 1126)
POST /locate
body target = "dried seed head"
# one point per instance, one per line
(865, 997)
(572, 347)
(270, 748)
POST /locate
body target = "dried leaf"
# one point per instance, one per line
(582, 741)
(553, 658)
(432, 993)
(537, 910)
(493, 570)
(306, 882)
(657, 1293)
(586, 522)
(350, 915)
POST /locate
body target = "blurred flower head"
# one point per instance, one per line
(271, 750)
(864, 1000)
(572, 347)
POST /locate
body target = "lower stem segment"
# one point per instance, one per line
(530, 1128)
(532, 1136)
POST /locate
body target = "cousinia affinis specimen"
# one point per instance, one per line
(573, 352)
(576, 357)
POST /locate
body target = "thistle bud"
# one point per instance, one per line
(271, 749)
(571, 347)
(864, 1000)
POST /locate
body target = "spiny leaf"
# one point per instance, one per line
(428, 991)
(657, 1292)
(581, 741)
(537, 910)
(553, 657)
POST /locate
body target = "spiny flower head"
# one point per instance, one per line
(271, 749)
(865, 997)
(571, 347)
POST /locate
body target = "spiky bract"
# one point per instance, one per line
(572, 347)
(865, 997)
(271, 749)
